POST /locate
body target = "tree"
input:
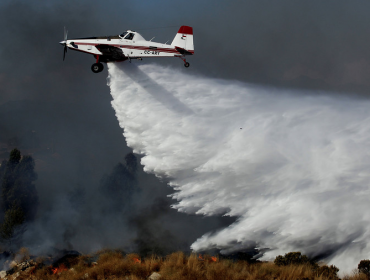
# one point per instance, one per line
(2, 168)
(18, 194)
(14, 217)
(120, 185)
(364, 267)
(17, 187)
(8, 177)
(24, 192)
(131, 162)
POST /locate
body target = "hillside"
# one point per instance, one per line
(117, 265)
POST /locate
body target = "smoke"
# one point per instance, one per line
(292, 166)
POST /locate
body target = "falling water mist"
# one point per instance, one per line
(292, 166)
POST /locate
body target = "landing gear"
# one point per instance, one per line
(97, 67)
(187, 64)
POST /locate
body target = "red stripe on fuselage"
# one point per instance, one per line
(143, 48)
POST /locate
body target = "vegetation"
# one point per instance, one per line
(120, 185)
(19, 202)
(19, 199)
(14, 217)
(364, 267)
(292, 258)
(131, 162)
(296, 259)
(117, 265)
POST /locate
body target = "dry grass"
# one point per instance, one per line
(115, 265)
(355, 275)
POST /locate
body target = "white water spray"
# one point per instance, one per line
(294, 168)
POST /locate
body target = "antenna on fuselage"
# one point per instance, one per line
(151, 39)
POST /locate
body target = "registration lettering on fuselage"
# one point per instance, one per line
(151, 52)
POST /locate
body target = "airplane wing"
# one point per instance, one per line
(111, 52)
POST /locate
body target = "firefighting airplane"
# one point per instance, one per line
(130, 45)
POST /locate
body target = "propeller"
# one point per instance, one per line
(64, 43)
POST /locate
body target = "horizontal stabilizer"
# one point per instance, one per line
(183, 51)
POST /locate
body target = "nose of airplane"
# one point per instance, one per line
(62, 43)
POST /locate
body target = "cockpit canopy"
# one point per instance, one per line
(130, 35)
(123, 34)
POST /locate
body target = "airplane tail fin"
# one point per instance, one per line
(184, 40)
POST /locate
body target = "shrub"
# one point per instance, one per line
(328, 272)
(292, 258)
(364, 267)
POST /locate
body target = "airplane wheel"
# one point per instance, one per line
(187, 64)
(97, 67)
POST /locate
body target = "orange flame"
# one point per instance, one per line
(200, 257)
(136, 260)
(57, 270)
(214, 259)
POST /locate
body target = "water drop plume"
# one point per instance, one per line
(292, 166)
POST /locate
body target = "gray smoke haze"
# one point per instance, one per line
(60, 112)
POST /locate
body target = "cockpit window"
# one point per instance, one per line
(123, 34)
(129, 36)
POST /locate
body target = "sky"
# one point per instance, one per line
(319, 44)
(61, 112)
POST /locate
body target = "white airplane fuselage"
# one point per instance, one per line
(134, 49)
(131, 45)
